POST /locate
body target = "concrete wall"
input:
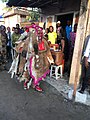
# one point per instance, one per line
(15, 16)
(11, 21)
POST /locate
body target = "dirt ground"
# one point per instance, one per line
(19, 104)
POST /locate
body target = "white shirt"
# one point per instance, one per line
(87, 51)
(23, 35)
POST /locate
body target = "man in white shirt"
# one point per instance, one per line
(86, 68)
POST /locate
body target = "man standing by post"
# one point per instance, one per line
(86, 67)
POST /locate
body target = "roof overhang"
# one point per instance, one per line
(48, 7)
(32, 3)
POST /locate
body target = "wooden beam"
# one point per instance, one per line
(81, 34)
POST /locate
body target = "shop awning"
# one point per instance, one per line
(32, 3)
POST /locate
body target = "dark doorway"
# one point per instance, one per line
(64, 18)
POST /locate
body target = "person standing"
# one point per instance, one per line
(52, 36)
(72, 43)
(85, 67)
(68, 29)
(3, 42)
(19, 30)
(46, 34)
(9, 44)
(12, 31)
(60, 36)
(73, 37)
(15, 36)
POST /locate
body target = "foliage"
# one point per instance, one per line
(33, 16)
(7, 8)
(4, 0)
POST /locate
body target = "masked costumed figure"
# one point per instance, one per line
(39, 62)
(35, 58)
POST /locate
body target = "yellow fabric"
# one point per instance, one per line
(52, 37)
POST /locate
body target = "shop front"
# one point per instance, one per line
(53, 10)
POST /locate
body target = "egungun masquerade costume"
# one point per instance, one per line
(33, 59)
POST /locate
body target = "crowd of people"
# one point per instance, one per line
(65, 38)
(10, 37)
(31, 56)
(29, 48)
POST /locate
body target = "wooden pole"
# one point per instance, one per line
(81, 34)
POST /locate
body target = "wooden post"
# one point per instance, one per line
(81, 34)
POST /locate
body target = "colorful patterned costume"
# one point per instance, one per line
(34, 56)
